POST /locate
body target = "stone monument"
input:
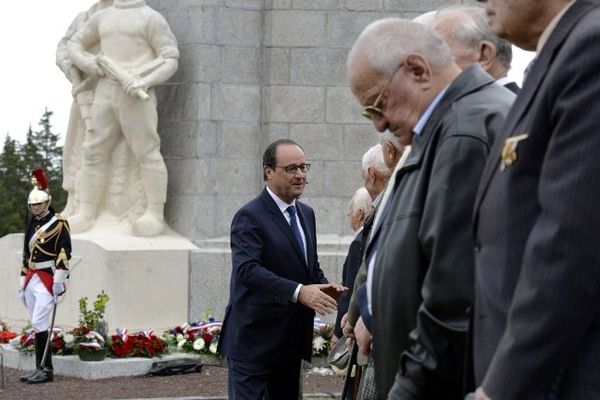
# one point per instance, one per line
(250, 72)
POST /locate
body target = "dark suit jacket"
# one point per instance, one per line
(423, 283)
(537, 227)
(349, 271)
(262, 324)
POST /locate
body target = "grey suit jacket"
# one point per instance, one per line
(537, 228)
(422, 283)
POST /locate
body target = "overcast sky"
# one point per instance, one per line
(29, 77)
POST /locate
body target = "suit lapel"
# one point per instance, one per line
(282, 223)
(531, 86)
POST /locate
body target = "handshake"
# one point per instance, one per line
(321, 297)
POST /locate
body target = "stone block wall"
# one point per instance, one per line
(253, 71)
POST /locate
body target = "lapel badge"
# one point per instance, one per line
(509, 151)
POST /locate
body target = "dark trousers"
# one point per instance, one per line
(252, 381)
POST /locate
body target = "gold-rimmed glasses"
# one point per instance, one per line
(374, 110)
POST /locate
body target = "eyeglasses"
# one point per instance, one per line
(292, 169)
(374, 110)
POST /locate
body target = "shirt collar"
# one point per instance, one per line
(418, 129)
(280, 203)
(550, 28)
(503, 81)
(359, 230)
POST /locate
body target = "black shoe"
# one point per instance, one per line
(41, 376)
(28, 375)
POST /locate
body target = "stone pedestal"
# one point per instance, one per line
(147, 279)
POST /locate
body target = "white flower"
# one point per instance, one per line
(319, 344)
(198, 344)
(181, 343)
(69, 338)
(179, 337)
(213, 347)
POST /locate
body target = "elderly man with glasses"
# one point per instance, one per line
(419, 257)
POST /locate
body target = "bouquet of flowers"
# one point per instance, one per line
(198, 337)
(91, 341)
(6, 335)
(61, 343)
(322, 334)
(140, 344)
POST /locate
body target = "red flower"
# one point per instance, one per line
(6, 336)
(207, 338)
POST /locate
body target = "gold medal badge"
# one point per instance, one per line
(509, 151)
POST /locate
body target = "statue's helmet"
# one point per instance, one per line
(39, 193)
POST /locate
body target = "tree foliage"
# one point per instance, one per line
(17, 160)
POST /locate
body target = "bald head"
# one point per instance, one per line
(385, 42)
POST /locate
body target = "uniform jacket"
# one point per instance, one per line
(51, 242)
(423, 273)
(537, 227)
(262, 324)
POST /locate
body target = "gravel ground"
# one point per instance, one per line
(212, 381)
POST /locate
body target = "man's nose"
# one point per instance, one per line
(380, 123)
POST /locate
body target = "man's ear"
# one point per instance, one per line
(361, 215)
(418, 68)
(371, 174)
(268, 172)
(487, 54)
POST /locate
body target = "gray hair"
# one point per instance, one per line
(361, 201)
(374, 158)
(473, 29)
(393, 139)
(386, 41)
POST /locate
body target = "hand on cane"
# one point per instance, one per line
(59, 287)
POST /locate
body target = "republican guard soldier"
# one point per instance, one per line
(46, 255)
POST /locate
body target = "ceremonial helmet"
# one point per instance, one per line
(39, 193)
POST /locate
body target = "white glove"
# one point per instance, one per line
(60, 276)
(22, 290)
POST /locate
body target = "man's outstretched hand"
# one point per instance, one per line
(316, 297)
(334, 291)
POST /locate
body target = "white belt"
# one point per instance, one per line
(42, 265)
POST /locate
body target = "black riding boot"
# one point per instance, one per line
(38, 357)
(45, 372)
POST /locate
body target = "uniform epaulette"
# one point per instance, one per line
(60, 217)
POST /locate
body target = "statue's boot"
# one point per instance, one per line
(84, 219)
(152, 222)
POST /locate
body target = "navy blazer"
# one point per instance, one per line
(262, 324)
(537, 228)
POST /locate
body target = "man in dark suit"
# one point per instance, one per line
(276, 283)
(420, 259)
(359, 208)
(537, 225)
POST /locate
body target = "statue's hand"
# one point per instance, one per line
(92, 68)
(134, 84)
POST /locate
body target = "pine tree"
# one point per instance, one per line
(16, 163)
(41, 151)
(14, 187)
